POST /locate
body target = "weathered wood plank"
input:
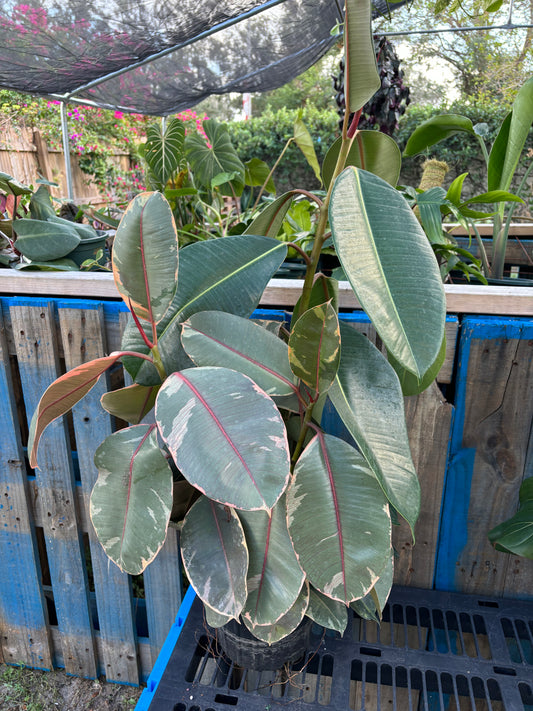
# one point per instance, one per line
(24, 635)
(488, 457)
(282, 293)
(82, 326)
(429, 419)
(35, 340)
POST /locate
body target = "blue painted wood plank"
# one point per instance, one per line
(34, 334)
(24, 636)
(488, 456)
(82, 331)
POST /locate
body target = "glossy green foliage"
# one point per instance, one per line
(516, 535)
(371, 150)
(164, 151)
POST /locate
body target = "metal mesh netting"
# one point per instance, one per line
(155, 57)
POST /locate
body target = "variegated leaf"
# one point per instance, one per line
(226, 436)
(326, 612)
(339, 519)
(215, 556)
(314, 347)
(132, 498)
(274, 575)
(130, 404)
(286, 624)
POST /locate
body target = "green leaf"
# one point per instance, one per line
(217, 338)
(455, 190)
(215, 619)
(368, 397)
(62, 395)
(43, 241)
(132, 498)
(511, 139)
(516, 534)
(274, 574)
(130, 404)
(269, 221)
(361, 74)
(430, 203)
(371, 150)
(215, 556)
(286, 624)
(227, 274)
(436, 129)
(145, 256)
(314, 347)
(207, 160)
(328, 613)
(390, 265)
(371, 606)
(163, 151)
(305, 144)
(226, 436)
(411, 385)
(256, 171)
(493, 196)
(339, 519)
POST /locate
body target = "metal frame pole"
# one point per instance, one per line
(66, 150)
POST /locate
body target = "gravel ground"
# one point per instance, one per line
(30, 690)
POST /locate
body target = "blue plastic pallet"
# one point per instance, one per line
(434, 651)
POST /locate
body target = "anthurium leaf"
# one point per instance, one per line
(328, 613)
(361, 73)
(274, 574)
(339, 519)
(217, 338)
(226, 436)
(371, 150)
(217, 155)
(43, 241)
(215, 556)
(227, 274)
(145, 256)
(9, 185)
(256, 171)
(84, 231)
(41, 206)
(163, 150)
(368, 397)
(516, 534)
(314, 347)
(305, 144)
(371, 606)
(56, 265)
(436, 129)
(215, 619)
(131, 404)
(513, 137)
(270, 219)
(132, 498)
(390, 265)
(411, 385)
(324, 289)
(62, 395)
(286, 624)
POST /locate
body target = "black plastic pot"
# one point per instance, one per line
(246, 651)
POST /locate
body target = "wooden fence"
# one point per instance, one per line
(25, 155)
(63, 604)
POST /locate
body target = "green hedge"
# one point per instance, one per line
(265, 137)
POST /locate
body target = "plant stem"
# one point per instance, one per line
(301, 439)
(158, 363)
(263, 187)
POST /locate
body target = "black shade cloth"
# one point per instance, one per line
(58, 48)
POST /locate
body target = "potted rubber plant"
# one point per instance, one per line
(501, 163)
(278, 519)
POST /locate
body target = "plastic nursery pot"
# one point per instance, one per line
(248, 652)
(87, 249)
(511, 281)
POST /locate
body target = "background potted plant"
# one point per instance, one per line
(501, 163)
(281, 519)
